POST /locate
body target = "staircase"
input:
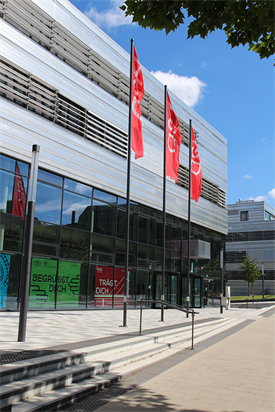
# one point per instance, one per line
(48, 383)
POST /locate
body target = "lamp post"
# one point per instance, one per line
(263, 280)
(221, 268)
(25, 286)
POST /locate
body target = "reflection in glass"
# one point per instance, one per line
(77, 187)
(46, 232)
(11, 232)
(7, 163)
(7, 181)
(10, 273)
(76, 211)
(146, 230)
(49, 177)
(74, 244)
(102, 243)
(103, 218)
(48, 203)
(104, 196)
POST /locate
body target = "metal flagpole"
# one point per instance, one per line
(128, 193)
(189, 224)
(28, 246)
(164, 206)
(221, 286)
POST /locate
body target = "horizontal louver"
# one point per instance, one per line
(41, 28)
(209, 190)
(23, 89)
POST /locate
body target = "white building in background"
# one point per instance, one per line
(251, 230)
(64, 86)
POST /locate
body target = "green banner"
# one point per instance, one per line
(44, 282)
(68, 284)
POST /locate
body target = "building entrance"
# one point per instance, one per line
(175, 289)
(172, 289)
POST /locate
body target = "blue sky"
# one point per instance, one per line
(232, 89)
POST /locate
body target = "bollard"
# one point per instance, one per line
(193, 317)
(140, 317)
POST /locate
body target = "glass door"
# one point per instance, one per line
(197, 293)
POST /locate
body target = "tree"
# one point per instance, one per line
(250, 271)
(243, 21)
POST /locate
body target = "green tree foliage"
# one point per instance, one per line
(243, 21)
(250, 270)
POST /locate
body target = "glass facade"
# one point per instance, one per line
(79, 246)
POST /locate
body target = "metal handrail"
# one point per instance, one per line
(172, 306)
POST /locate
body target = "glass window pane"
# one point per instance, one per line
(77, 187)
(45, 232)
(122, 202)
(10, 267)
(102, 243)
(42, 249)
(103, 218)
(42, 283)
(76, 211)
(71, 285)
(74, 244)
(104, 196)
(159, 234)
(121, 223)
(11, 233)
(120, 253)
(7, 163)
(48, 203)
(10, 200)
(146, 252)
(146, 230)
(49, 177)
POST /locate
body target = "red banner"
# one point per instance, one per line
(137, 94)
(173, 141)
(106, 286)
(196, 172)
(19, 195)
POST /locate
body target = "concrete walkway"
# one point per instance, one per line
(233, 374)
(236, 374)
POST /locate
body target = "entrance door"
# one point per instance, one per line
(197, 293)
(171, 287)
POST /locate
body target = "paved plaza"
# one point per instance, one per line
(233, 374)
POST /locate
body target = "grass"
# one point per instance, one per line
(256, 297)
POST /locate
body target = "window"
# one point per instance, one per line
(244, 215)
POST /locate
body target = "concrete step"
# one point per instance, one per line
(54, 400)
(25, 369)
(49, 390)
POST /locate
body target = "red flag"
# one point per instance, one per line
(137, 94)
(196, 173)
(173, 141)
(19, 195)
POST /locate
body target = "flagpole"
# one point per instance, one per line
(189, 224)
(164, 205)
(128, 193)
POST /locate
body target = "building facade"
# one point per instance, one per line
(251, 230)
(65, 86)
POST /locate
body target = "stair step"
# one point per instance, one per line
(31, 367)
(53, 400)
(19, 390)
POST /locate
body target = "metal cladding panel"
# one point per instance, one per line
(67, 153)
(199, 249)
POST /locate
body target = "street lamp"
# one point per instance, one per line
(28, 245)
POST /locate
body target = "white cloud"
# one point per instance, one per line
(272, 193)
(264, 138)
(248, 176)
(110, 18)
(188, 89)
(258, 198)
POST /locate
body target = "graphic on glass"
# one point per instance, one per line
(68, 283)
(106, 287)
(42, 284)
(4, 278)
